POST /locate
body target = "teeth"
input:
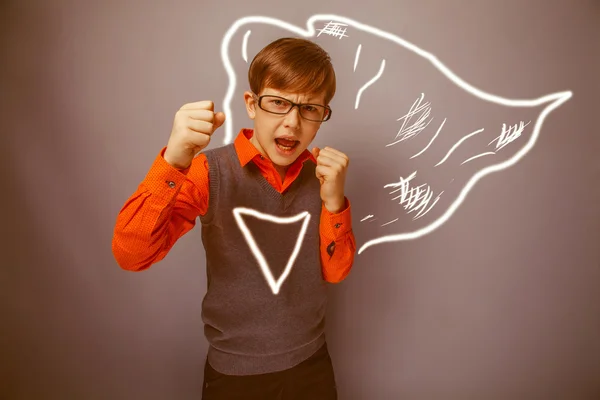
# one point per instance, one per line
(285, 148)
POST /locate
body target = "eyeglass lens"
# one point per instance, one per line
(278, 105)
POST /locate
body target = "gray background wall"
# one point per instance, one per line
(500, 302)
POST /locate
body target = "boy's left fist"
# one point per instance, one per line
(331, 170)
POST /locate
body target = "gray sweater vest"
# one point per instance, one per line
(254, 325)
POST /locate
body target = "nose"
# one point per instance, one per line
(292, 119)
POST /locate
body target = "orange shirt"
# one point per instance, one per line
(168, 201)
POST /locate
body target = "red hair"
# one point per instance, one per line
(293, 65)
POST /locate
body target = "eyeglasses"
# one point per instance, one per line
(279, 105)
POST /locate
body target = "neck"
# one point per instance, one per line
(281, 170)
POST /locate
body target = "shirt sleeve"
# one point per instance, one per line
(337, 243)
(162, 209)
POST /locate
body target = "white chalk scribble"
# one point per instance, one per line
(245, 46)
(509, 135)
(365, 218)
(414, 198)
(334, 29)
(477, 156)
(431, 141)
(506, 136)
(387, 223)
(409, 131)
(357, 56)
(458, 144)
(264, 267)
(366, 85)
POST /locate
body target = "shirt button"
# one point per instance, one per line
(337, 225)
(171, 184)
(331, 248)
(262, 157)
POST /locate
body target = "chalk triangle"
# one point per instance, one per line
(274, 284)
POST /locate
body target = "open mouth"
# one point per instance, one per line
(286, 145)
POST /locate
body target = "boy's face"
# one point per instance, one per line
(270, 129)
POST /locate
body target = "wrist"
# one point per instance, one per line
(177, 164)
(335, 206)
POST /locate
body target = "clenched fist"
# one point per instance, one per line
(192, 129)
(331, 170)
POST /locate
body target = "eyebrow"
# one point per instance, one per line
(311, 101)
(280, 94)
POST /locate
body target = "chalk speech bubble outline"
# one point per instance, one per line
(555, 100)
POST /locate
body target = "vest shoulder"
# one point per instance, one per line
(219, 150)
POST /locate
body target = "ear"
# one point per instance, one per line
(251, 104)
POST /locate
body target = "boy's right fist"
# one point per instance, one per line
(192, 129)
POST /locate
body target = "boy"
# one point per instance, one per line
(263, 343)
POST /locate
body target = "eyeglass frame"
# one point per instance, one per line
(259, 98)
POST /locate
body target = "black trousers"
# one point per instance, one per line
(312, 379)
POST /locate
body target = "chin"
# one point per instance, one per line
(282, 161)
